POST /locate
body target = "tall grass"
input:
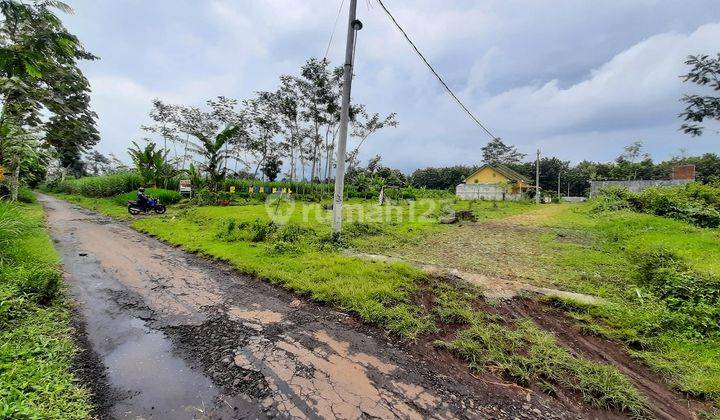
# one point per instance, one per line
(100, 186)
(35, 343)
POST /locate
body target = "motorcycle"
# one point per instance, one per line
(153, 204)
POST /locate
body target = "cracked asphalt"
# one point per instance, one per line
(177, 335)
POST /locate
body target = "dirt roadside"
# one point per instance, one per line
(180, 336)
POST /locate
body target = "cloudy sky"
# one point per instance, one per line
(577, 78)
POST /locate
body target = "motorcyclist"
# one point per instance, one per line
(142, 199)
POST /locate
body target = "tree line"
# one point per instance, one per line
(575, 179)
(296, 124)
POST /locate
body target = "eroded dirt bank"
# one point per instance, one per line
(183, 337)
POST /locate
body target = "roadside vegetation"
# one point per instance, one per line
(657, 276)
(653, 258)
(36, 346)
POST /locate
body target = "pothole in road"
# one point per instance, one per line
(213, 344)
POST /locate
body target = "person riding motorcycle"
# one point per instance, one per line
(142, 199)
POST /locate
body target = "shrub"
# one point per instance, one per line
(165, 196)
(255, 231)
(282, 247)
(695, 297)
(612, 199)
(25, 195)
(259, 230)
(206, 197)
(230, 231)
(292, 233)
(694, 203)
(358, 229)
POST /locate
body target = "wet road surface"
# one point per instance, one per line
(180, 336)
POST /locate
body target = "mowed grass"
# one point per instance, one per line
(35, 336)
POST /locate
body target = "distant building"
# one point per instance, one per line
(683, 172)
(493, 183)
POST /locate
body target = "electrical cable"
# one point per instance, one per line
(429, 66)
(332, 34)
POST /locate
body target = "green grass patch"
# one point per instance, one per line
(660, 278)
(518, 350)
(35, 344)
(297, 256)
(107, 206)
(166, 197)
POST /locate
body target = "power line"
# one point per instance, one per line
(332, 34)
(447, 88)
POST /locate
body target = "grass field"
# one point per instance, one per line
(563, 246)
(35, 344)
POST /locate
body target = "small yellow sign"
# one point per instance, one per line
(2, 173)
(232, 189)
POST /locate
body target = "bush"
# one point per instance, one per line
(358, 229)
(693, 296)
(165, 196)
(206, 197)
(694, 203)
(255, 231)
(612, 199)
(292, 233)
(25, 195)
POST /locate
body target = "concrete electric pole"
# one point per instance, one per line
(353, 26)
(537, 178)
(559, 172)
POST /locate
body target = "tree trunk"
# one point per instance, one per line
(15, 183)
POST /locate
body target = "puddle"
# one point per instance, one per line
(147, 379)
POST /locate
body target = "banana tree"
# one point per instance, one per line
(213, 149)
(151, 163)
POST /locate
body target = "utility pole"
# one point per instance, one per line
(353, 26)
(559, 172)
(537, 178)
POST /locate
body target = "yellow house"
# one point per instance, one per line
(499, 175)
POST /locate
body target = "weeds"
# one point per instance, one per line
(527, 355)
(36, 350)
(520, 351)
(694, 203)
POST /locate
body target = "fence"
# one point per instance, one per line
(636, 185)
(492, 192)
